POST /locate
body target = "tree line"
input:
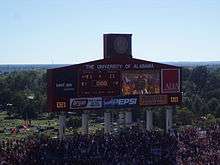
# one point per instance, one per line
(23, 93)
(201, 90)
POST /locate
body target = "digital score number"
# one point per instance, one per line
(105, 83)
(101, 83)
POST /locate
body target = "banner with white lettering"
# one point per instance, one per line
(170, 81)
(65, 84)
(86, 103)
(120, 102)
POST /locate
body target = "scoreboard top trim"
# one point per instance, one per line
(116, 64)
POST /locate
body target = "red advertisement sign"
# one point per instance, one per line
(170, 80)
(150, 100)
(160, 99)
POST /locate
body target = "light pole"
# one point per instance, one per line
(30, 98)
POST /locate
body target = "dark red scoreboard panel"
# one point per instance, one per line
(62, 85)
(153, 84)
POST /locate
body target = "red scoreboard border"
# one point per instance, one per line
(112, 65)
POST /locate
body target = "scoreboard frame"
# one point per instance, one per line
(68, 81)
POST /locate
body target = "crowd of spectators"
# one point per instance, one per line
(199, 146)
(133, 146)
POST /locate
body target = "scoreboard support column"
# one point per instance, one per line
(149, 120)
(107, 120)
(169, 119)
(121, 118)
(85, 123)
(62, 118)
(128, 118)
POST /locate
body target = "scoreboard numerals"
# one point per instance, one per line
(87, 76)
(174, 99)
(61, 104)
(84, 84)
(101, 83)
(112, 76)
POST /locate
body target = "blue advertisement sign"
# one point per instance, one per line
(120, 102)
(86, 103)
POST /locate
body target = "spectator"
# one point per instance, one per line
(192, 146)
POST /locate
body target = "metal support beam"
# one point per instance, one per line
(62, 119)
(121, 118)
(149, 120)
(85, 123)
(169, 120)
(128, 118)
(107, 120)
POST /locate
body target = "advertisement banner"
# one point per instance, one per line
(161, 99)
(170, 82)
(120, 102)
(150, 100)
(86, 103)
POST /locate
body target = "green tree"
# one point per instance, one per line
(199, 76)
(74, 122)
(204, 109)
(197, 105)
(210, 119)
(16, 89)
(184, 117)
(213, 94)
(217, 111)
(212, 104)
(186, 72)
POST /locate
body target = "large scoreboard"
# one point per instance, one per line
(113, 83)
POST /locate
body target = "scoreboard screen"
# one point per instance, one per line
(99, 83)
(140, 82)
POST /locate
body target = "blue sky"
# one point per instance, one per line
(71, 31)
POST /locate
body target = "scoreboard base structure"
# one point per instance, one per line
(125, 121)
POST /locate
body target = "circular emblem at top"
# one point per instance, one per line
(121, 45)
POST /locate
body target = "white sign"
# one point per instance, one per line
(84, 103)
(118, 66)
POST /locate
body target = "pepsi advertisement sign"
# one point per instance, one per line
(120, 102)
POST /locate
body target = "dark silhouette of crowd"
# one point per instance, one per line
(131, 146)
(199, 146)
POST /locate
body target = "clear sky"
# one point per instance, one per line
(71, 31)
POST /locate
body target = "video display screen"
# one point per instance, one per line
(139, 82)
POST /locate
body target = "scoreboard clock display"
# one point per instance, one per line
(99, 83)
